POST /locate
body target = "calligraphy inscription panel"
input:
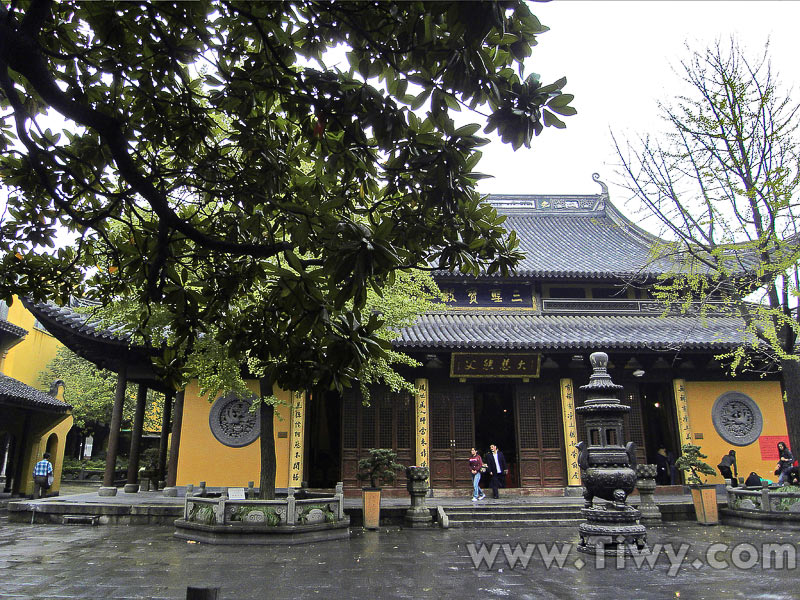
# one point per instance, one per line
(481, 364)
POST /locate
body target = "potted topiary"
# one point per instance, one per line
(379, 467)
(704, 495)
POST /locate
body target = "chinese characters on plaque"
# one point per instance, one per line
(482, 364)
(682, 408)
(570, 432)
(489, 295)
(296, 439)
(421, 413)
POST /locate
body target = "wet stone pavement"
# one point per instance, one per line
(81, 561)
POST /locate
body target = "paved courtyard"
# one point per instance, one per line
(80, 561)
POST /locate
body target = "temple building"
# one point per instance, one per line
(502, 361)
(32, 422)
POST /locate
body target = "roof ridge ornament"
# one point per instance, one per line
(603, 186)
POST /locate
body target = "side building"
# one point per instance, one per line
(32, 422)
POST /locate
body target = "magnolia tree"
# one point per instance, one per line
(244, 173)
(722, 180)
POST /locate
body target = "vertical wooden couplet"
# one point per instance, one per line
(113, 434)
(682, 411)
(422, 429)
(570, 431)
(296, 440)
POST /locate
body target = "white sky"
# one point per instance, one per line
(618, 57)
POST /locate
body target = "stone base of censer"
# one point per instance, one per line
(611, 530)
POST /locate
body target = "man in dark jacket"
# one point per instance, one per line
(727, 463)
(497, 469)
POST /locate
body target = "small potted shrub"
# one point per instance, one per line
(379, 467)
(704, 495)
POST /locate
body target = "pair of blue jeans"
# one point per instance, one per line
(477, 492)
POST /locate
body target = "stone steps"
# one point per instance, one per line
(514, 516)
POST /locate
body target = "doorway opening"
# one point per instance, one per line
(323, 440)
(494, 424)
(659, 419)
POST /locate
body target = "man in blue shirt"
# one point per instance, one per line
(41, 475)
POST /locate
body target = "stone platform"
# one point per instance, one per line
(154, 508)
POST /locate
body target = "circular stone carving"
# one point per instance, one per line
(737, 418)
(255, 516)
(232, 422)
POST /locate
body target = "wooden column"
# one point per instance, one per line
(296, 440)
(18, 480)
(422, 430)
(175, 443)
(163, 443)
(682, 412)
(113, 435)
(570, 432)
(136, 440)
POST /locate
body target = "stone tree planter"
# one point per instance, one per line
(289, 519)
(773, 508)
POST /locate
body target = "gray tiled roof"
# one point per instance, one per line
(13, 391)
(107, 347)
(567, 332)
(577, 237)
(84, 324)
(12, 329)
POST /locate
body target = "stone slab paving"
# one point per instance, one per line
(73, 561)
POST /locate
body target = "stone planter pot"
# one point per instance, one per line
(288, 519)
(371, 505)
(705, 503)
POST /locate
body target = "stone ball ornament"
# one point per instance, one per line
(737, 418)
(233, 421)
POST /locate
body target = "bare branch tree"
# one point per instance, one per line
(722, 182)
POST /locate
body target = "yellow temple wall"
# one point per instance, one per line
(32, 354)
(203, 458)
(766, 394)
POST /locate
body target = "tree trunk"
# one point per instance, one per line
(267, 442)
(790, 373)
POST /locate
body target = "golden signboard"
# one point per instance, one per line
(298, 411)
(495, 365)
(423, 423)
(570, 432)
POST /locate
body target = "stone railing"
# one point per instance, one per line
(764, 500)
(290, 510)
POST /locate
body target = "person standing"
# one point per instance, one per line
(476, 467)
(663, 474)
(497, 469)
(727, 463)
(785, 460)
(41, 476)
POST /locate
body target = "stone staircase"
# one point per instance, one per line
(506, 515)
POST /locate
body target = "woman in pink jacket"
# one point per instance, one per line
(475, 467)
